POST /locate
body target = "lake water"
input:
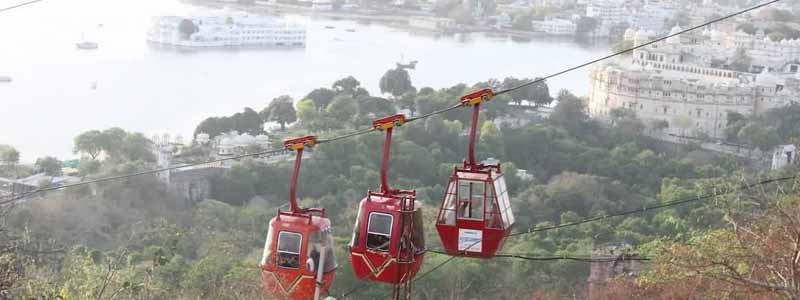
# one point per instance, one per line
(59, 91)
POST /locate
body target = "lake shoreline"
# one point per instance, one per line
(397, 19)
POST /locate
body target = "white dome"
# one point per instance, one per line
(675, 29)
(674, 39)
(629, 34)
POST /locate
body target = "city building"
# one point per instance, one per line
(431, 23)
(476, 7)
(555, 26)
(225, 31)
(607, 11)
(232, 143)
(322, 5)
(203, 138)
(687, 83)
(783, 155)
(650, 18)
(612, 261)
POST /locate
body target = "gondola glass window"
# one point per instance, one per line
(379, 232)
(289, 249)
(318, 241)
(503, 201)
(267, 257)
(471, 195)
(357, 230)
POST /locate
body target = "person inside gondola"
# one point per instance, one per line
(313, 260)
(463, 208)
(379, 242)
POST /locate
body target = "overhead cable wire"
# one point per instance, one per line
(153, 171)
(542, 79)
(654, 207)
(437, 112)
(594, 219)
(530, 257)
(321, 141)
(636, 47)
(19, 5)
(346, 136)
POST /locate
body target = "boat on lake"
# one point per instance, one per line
(5, 78)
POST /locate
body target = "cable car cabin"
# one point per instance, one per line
(296, 245)
(388, 242)
(475, 215)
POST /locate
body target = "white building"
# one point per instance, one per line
(232, 143)
(675, 81)
(783, 155)
(203, 138)
(323, 5)
(650, 18)
(226, 31)
(555, 26)
(606, 11)
(431, 23)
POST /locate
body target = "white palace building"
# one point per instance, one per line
(686, 80)
(226, 31)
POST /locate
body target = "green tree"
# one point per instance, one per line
(321, 97)
(89, 142)
(51, 166)
(308, 115)
(490, 141)
(342, 109)
(786, 121)
(9, 156)
(408, 101)
(395, 82)
(187, 28)
(681, 18)
(135, 147)
(539, 92)
(764, 138)
(741, 61)
(280, 110)
(111, 141)
(748, 28)
(348, 85)
(249, 122)
(88, 167)
(570, 113)
(372, 107)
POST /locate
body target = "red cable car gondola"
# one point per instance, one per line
(298, 261)
(475, 215)
(388, 241)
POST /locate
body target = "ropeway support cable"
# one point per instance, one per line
(153, 171)
(590, 259)
(603, 217)
(19, 5)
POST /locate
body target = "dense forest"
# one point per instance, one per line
(133, 239)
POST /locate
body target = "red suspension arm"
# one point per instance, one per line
(473, 132)
(387, 146)
(298, 145)
(475, 99)
(293, 186)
